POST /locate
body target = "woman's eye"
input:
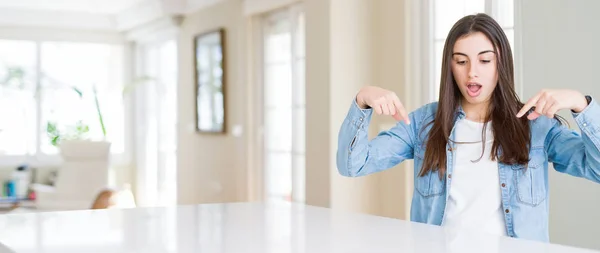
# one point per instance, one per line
(461, 62)
(486, 61)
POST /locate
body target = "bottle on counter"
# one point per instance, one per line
(21, 178)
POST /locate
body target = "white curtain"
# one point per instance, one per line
(155, 124)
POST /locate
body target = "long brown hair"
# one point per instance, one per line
(511, 134)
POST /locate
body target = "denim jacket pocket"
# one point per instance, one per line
(430, 184)
(530, 182)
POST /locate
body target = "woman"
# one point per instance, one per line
(480, 155)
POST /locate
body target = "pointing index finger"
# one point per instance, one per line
(400, 109)
(532, 101)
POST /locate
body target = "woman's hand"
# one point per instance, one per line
(548, 102)
(382, 101)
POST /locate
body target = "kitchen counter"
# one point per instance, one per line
(242, 227)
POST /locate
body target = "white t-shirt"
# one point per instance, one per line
(475, 197)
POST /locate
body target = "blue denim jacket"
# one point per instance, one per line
(524, 190)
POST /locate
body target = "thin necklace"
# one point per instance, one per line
(472, 142)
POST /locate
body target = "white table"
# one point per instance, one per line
(242, 227)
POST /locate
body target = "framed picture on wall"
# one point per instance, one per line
(210, 81)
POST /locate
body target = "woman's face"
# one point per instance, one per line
(474, 67)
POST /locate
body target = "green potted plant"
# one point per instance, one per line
(16, 78)
(78, 131)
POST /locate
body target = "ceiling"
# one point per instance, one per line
(85, 6)
(93, 15)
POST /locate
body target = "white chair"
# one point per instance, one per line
(82, 175)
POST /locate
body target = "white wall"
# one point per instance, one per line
(560, 50)
(353, 41)
(350, 44)
(395, 185)
(318, 152)
(212, 167)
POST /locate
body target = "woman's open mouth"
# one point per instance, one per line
(474, 89)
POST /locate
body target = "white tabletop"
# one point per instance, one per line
(241, 227)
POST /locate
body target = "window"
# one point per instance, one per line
(56, 85)
(18, 61)
(447, 12)
(284, 105)
(62, 69)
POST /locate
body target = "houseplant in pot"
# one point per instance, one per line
(84, 169)
(74, 139)
(84, 157)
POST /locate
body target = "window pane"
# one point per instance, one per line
(506, 11)
(446, 13)
(278, 42)
(439, 51)
(278, 129)
(300, 84)
(278, 85)
(299, 175)
(67, 95)
(17, 101)
(510, 35)
(300, 38)
(473, 7)
(299, 125)
(279, 175)
(284, 96)
(17, 127)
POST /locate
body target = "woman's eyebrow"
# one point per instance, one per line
(480, 53)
